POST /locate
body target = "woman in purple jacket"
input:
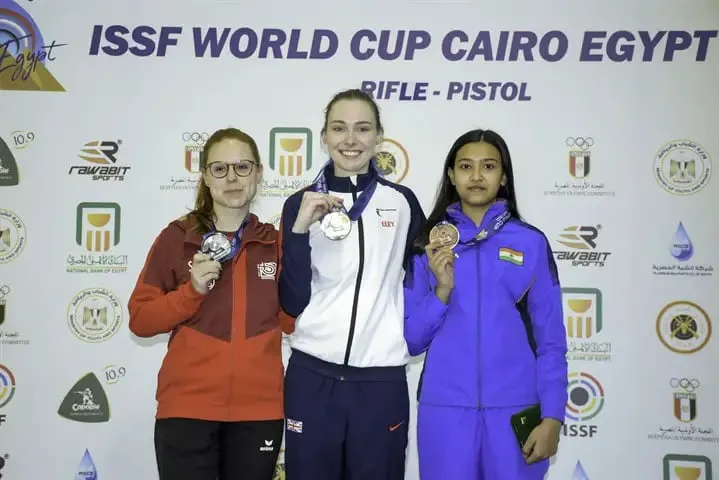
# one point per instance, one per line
(483, 300)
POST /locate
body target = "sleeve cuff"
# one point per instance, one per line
(190, 298)
(435, 307)
(554, 410)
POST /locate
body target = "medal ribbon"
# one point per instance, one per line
(362, 201)
(496, 224)
(235, 242)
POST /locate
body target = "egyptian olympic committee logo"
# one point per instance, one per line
(586, 397)
(682, 167)
(7, 385)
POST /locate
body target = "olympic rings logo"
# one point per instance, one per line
(685, 384)
(196, 137)
(580, 142)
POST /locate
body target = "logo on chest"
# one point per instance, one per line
(266, 270)
(387, 217)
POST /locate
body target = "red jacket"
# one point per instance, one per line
(224, 357)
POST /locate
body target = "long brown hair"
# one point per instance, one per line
(204, 213)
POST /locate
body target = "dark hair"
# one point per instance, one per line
(353, 94)
(203, 212)
(447, 193)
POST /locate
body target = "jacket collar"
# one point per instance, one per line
(466, 226)
(343, 184)
(254, 231)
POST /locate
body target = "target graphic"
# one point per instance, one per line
(7, 385)
(586, 397)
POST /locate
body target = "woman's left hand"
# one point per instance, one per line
(543, 441)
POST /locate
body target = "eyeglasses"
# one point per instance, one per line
(221, 169)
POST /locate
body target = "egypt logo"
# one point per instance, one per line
(682, 167)
(25, 56)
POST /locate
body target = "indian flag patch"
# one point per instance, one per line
(512, 256)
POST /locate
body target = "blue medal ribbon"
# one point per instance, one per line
(358, 206)
(496, 223)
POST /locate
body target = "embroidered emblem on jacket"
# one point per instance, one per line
(267, 270)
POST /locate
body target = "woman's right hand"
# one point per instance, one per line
(203, 271)
(314, 205)
(441, 262)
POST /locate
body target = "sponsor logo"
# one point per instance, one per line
(392, 160)
(97, 230)
(585, 402)
(682, 167)
(94, 315)
(12, 236)
(86, 470)
(86, 402)
(290, 161)
(683, 327)
(687, 467)
(101, 158)
(581, 246)
(7, 385)
(25, 55)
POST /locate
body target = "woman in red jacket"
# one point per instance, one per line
(210, 280)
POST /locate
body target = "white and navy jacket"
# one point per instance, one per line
(347, 294)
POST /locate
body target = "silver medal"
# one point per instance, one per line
(217, 246)
(336, 225)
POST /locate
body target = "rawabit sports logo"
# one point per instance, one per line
(94, 315)
(9, 173)
(290, 161)
(194, 142)
(7, 385)
(682, 167)
(583, 252)
(97, 230)
(24, 54)
(86, 402)
(683, 327)
(579, 473)
(586, 399)
(12, 236)
(682, 249)
(580, 165)
(584, 323)
(685, 408)
(687, 467)
(392, 160)
(86, 470)
(101, 157)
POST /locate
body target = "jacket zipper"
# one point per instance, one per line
(479, 325)
(243, 247)
(358, 282)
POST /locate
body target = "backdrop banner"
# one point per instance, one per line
(610, 114)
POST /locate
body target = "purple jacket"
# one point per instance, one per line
(501, 340)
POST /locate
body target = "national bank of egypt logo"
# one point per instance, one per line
(25, 55)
